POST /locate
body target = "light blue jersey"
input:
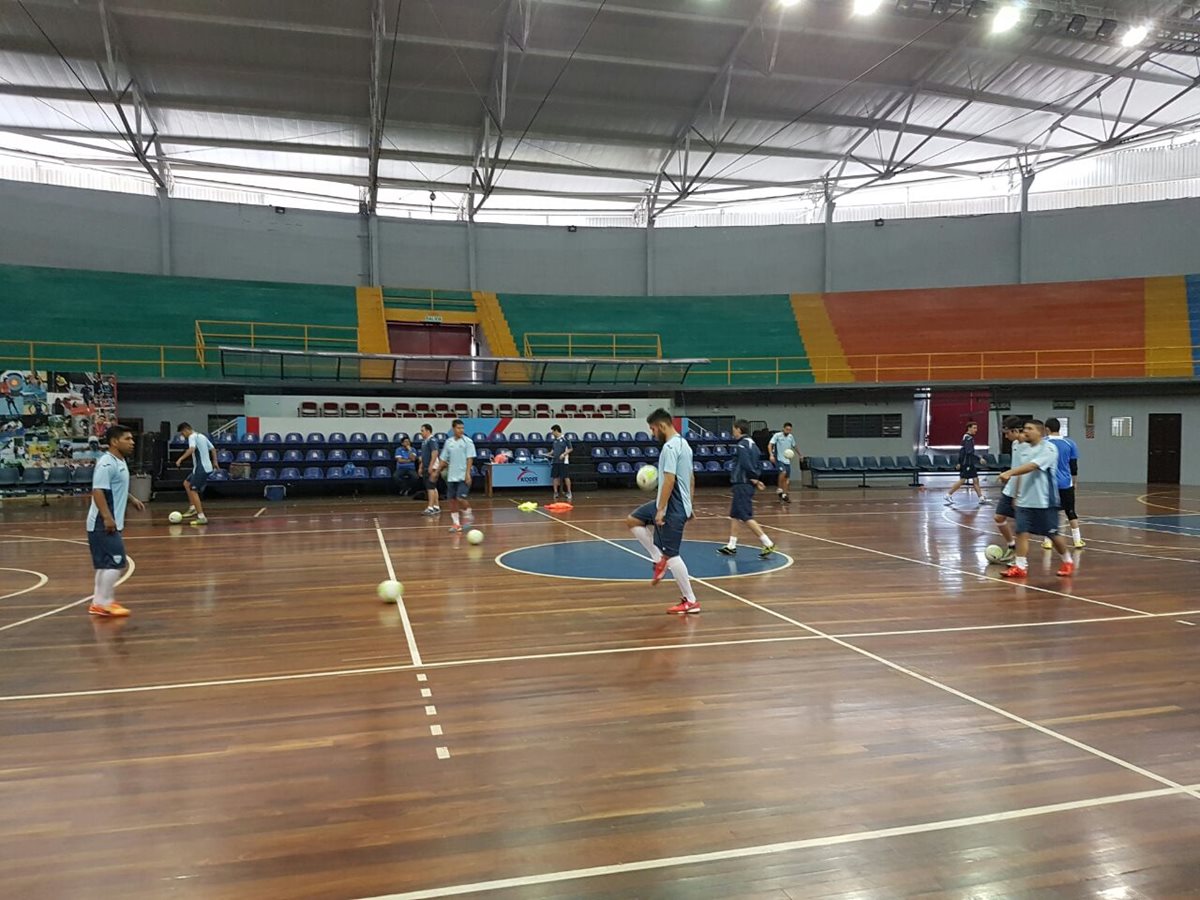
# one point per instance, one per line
(111, 475)
(676, 458)
(1018, 458)
(457, 455)
(202, 452)
(1067, 450)
(1039, 490)
(781, 443)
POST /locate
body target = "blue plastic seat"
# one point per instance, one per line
(535, 437)
(315, 437)
(399, 437)
(338, 456)
(703, 450)
(730, 465)
(314, 473)
(218, 475)
(571, 436)
(361, 472)
(497, 438)
(224, 457)
(441, 436)
(291, 473)
(476, 437)
(358, 437)
(334, 473)
(292, 456)
(178, 441)
(591, 437)
(267, 475)
(337, 437)
(624, 468)
(293, 437)
(379, 438)
(483, 453)
(381, 472)
(269, 456)
(617, 452)
(608, 437)
(249, 438)
(247, 456)
(599, 453)
(712, 466)
(604, 468)
(634, 453)
(359, 455)
(726, 435)
(271, 438)
(651, 453)
(697, 466)
(625, 437)
(516, 437)
(381, 455)
(227, 437)
(317, 455)
(643, 437)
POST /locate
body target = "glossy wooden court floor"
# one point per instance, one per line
(885, 718)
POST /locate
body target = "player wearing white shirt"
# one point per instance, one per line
(204, 462)
(781, 443)
(106, 521)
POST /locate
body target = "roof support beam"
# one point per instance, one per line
(376, 95)
(514, 33)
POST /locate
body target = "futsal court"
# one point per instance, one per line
(874, 710)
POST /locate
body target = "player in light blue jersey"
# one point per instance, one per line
(1068, 468)
(106, 521)
(457, 455)
(203, 455)
(670, 511)
(781, 443)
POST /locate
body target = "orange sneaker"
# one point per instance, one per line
(1014, 572)
(1066, 570)
(115, 611)
(660, 569)
(685, 606)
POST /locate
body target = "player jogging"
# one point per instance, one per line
(670, 511)
(106, 521)
(781, 443)
(744, 480)
(1068, 468)
(968, 466)
(204, 462)
(458, 453)
(560, 460)
(1037, 501)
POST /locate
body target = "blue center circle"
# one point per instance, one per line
(626, 560)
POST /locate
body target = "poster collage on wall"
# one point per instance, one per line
(54, 418)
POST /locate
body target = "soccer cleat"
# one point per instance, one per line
(1047, 544)
(766, 551)
(727, 550)
(570, 497)
(785, 498)
(1009, 555)
(456, 529)
(1066, 570)
(429, 511)
(191, 511)
(1014, 572)
(684, 606)
(1080, 544)
(949, 500)
(660, 569)
(984, 501)
(200, 520)
(115, 611)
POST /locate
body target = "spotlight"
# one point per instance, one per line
(1106, 29)
(787, 3)
(1043, 18)
(1006, 19)
(866, 7)
(1075, 24)
(1134, 35)
(977, 9)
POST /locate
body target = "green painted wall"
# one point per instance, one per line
(734, 326)
(111, 308)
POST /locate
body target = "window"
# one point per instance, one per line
(1122, 426)
(876, 425)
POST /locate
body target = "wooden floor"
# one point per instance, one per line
(884, 719)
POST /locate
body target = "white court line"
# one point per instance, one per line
(435, 730)
(259, 513)
(431, 710)
(408, 629)
(833, 840)
(443, 752)
(566, 654)
(932, 682)
(129, 570)
(42, 579)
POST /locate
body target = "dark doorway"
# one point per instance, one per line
(1162, 458)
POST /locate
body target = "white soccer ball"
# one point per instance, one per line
(789, 454)
(647, 477)
(994, 553)
(175, 518)
(390, 591)
(474, 536)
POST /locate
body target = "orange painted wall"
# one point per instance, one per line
(968, 328)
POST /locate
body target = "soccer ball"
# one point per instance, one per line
(789, 454)
(647, 477)
(175, 518)
(474, 536)
(994, 553)
(389, 591)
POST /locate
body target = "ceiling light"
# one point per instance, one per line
(941, 7)
(1075, 24)
(1043, 18)
(1134, 35)
(866, 7)
(1006, 19)
(1106, 28)
(787, 3)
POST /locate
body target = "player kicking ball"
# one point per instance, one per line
(669, 512)
(744, 480)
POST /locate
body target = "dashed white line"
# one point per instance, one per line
(426, 692)
(443, 752)
(431, 710)
(435, 730)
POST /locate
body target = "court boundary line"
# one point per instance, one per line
(925, 679)
(566, 654)
(851, 837)
(129, 570)
(497, 560)
(409, 636)
(45, 579)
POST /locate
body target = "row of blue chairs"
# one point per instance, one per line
(317, 473)
(224, 457)
(59, 479)
(295, 438)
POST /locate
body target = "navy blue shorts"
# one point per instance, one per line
(668, 536)
(1037, 521)
(558, 470)
(198, 479)
(457, 490)
(968, 473)
(742, 507)
(108, 550)
(785, 467)
(1004, 507)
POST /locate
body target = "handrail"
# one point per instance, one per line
(617, 344)
(427, 299)
(299, 335)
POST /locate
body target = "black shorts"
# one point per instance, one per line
(108, 550)
(1066, 497)
(1037, 521)
(742, 507)
(429, 485)
(1004, 507)
(559, 470)
(968, 473)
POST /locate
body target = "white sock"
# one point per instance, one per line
(766, 541)
(732, 541)
(679, 569)
(1022, 562)
(108, 579)
(1068, 556)
(454, 518)
(98, 590)
(1075, 535)
(642, 533)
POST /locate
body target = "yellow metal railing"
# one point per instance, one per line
(274, 336)
(130, 360)
(609, 346)
(424, 300)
